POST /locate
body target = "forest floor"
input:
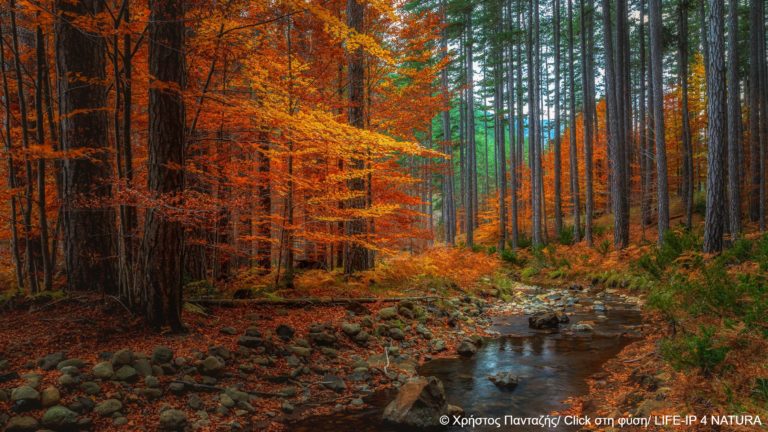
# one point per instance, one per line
(262, 365)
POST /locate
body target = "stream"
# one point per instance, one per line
(552, 366)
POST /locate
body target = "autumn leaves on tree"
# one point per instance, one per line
(152, 146)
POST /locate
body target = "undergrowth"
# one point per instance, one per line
(718, 307)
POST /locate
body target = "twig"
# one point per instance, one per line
(211, 388)
(49, 304)
(121, 304)
(386, 355)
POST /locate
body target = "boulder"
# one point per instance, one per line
(122, 357)
(300, 351)
(21, 424)
(334, 383)
(151, 382)
(420, 403)
(24, 393)
(25, 398)
(173, 419)
(437, 345)
(582, 327)
(230, 331)
(211, 366)
(162, 354)
(50, 396)
(50, 361)
(396, 333)
(466, 348)
(250, 341)
(285, 332)
(126, 373)
(143, 367)
(388, 313)
(108, 407)
(351, 329)
(253, 331)
(90, 388)
(59, 417)
(504, 380)
(103, 370)
(544, 320)
(362, 337)
(323, 338)
(74, 362)
(405, 312)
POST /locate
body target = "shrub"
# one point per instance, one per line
(760, 391)
(671, 248)
(565, 236)
(599, 230)
(510, 256)
(699, 350)
(530, 272)
(700, 203)
(523, 241)
(603, 247)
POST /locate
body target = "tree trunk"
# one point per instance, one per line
(734, 122)
(557, 156)
(687, 168)
(89, 220)
(513, 140)
(658, 117)
(11, 170)
(40, 134)
(574, 157)
(614, 121)
(162, 247)
(356, 256)
(757, 172)
(447, 178)
(471, 164)
(714, 223)
(500, 144)
(587, 84)
(29, 243)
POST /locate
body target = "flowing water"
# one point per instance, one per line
(552, 366)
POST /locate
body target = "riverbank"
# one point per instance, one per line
(244, 367)
(254, 365)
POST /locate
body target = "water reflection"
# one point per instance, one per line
(551, 367)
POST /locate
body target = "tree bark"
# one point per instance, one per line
(40, 135)
(513, 139)
(588, 121)
(757, 171)
(449, 223)
(616, 153)
(11, 170)
(734, 122)
(471, 164)
(162, 247)
(714, 219)
(356, 255)
(574, 157)
(557, 156)
(499, 136)
(687, 168)
(29, 244)
(658, 117)
(89, 218)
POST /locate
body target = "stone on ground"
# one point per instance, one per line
(420, 403)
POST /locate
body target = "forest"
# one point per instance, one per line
(376, 215)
